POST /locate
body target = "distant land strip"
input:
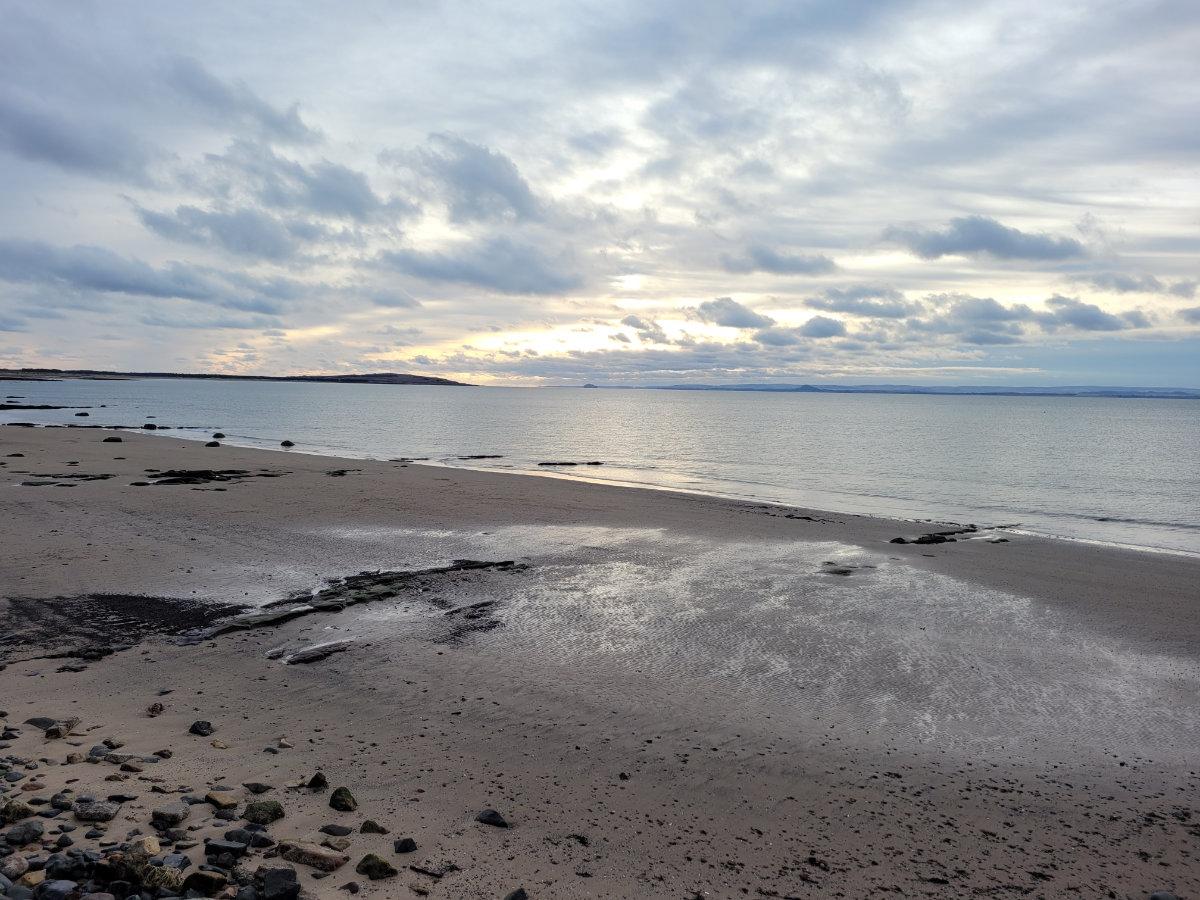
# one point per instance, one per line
(365, 378)
(1151, 393)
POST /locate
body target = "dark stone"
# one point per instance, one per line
(518, 894)
(150, 426)
(213, 444)
(111, 440)
(202, 728)
(286, 444)
(405, 845)
(218, 435)
(215, 847)
(263, 812)
(257, 787)
(318, 782)
(342, 800)
(493, 818)
(897, 541)
(205, 882)
(370, 826)
(25, 833)
(375, 867)
(351, 887)
(336, 830)
(277, 884)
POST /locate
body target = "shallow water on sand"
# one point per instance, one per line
(1119, 470)
(887, 655)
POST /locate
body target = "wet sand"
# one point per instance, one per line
(666, 695)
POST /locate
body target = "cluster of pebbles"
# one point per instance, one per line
(65, 845)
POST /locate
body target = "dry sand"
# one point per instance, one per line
(666, 695)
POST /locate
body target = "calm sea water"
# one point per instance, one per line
(1124, 471)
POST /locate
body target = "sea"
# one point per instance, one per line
(1112, 470)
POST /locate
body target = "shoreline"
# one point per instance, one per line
(716, 697)
(580, 474)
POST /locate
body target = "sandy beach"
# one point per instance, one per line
(661, 694)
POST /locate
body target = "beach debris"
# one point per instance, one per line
(493, 818)
(342, 800)
(202, 728)
(317, 652)
(375, 867)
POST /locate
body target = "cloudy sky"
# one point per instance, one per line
(621, 192)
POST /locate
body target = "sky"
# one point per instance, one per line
(649, 192)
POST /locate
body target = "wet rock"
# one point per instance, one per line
(263, 812)
(218, 435)
(286, 444)
(25, 833)
(170, 815)
(276, 883)
(202, 728)
(213, 444)
(405, 845)
(375, 867)
(95, 811)
(312, 855)
(493, 818)
(205, 882)
(342, 800)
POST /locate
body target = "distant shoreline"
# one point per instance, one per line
(98, 375)
(930, 390)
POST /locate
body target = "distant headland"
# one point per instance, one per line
(96, 375)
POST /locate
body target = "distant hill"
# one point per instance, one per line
(957, 390)
(365, 378)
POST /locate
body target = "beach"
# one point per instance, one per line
(662, 694)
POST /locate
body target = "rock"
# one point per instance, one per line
(218, 435)
(340, 844)
(1163, 895)
(342, 800)
(351, 887)
(493, 818)
(155, 709)
(222, 799)
(14, 811)
(318, 782)
(311, 855)
(518, 894)
(25, 833)
(215, 847)
(317, 652)
(202, 728)
(13, 867)
(57, 890)
(142, 848)
(213, 444)
(375, 867)
(370, 826)
(95, 811)
(286, 444)
(257, 787)
(111, 440)
(405, 845)
(170, 815)
(336, 830)
(205, 882)
(277, 884)
(150, 426)
(263, 812)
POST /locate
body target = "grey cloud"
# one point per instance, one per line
(97, 269)
(1072, 313)
(11, 323)
(1124, 283)
(777, 337)
(246, 232)
(647, 329)
(236, 101)
(727, 312)
(969, 235)
(478, 183)
(1191, 314)
(758, 258)
(497, 263)
(871, 301)
(823, 327)
(73, 143)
